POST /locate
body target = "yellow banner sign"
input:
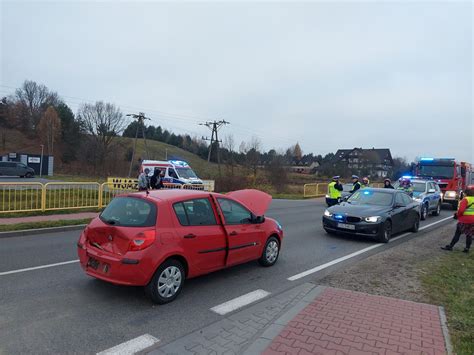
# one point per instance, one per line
(122, 183)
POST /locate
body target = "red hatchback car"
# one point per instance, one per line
(157, 240)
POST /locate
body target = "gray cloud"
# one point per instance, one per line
(329, 75)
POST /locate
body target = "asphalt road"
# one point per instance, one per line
(61, 310)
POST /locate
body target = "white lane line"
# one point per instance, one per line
(132, 346)
(37, 267)
(349, 256)
(239, 302)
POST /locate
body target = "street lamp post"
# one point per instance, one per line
(41, 161)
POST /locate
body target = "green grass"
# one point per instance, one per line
(45, 224)
(46, 213)
(449, 281)
(75, 178)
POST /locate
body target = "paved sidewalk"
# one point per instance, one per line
(312, 319)
(53, 217)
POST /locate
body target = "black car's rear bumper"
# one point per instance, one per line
(362, 229)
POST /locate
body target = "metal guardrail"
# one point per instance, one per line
(315, 190)
(35, 196)
(320, 189)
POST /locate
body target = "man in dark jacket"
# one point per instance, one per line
(155, 178)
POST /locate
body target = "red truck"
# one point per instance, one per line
(452, 176)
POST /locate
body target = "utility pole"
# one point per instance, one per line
(214, 126)
(140, 119)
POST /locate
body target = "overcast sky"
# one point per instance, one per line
(329, 75)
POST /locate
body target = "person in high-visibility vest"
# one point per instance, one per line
(405, 185)
(355, 184)
(334, 191)
(465, 216)
(365, 182)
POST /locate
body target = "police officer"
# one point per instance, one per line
(355, 184)
(365, 182)
(334, 191)
(405, 186)
(465, 216)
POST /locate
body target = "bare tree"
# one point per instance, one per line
(229, 144)
(253, 154)
(35, 98)
(102, 122)
(49, 129)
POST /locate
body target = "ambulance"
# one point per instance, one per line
(176, 171)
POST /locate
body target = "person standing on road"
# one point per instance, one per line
(387, 184)
(405, 186)
(334, 191)
(465, 216)
(155, 178)
(143, 180)
(365, 182)
(355, 184)
(161, 178)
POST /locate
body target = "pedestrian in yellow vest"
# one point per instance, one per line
(334, 191)
(465, 216)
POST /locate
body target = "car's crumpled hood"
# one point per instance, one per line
(257, 201)
(358, 210)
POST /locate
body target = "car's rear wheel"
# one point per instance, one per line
(438, 210)
(167, 282)
(386, 232)
(270, 252)
(416, 224)
(29, 175)
(424, 211)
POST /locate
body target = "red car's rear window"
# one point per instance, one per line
(129, 212)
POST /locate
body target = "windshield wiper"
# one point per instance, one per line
(110, 221)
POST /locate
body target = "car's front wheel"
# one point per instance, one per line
(416, 224)
(424, 211)
(438, 210)
(270, 252)
(167, 282)
(386, 232)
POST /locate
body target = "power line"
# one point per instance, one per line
(214, 126)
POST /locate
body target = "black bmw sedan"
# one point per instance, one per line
(376, 213)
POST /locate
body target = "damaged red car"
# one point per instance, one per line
(159, 239)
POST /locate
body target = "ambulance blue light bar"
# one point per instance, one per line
(426, 159)
(178, 162)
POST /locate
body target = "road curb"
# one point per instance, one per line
(444, 327)
(27, 232)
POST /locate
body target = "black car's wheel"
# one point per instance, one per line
(270, 252)
(454, 205)
(29, 175)
(386, 232)
(438, 210)
(167, 282)
(416, 224)
(424, 211)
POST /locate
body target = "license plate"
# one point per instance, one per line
(346, 226)
(93, 263)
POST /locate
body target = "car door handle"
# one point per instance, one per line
(189, 236)
(233, 233)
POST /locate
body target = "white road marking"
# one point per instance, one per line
(132, 346)
(37, 267)
(362, 251)
(239, 302)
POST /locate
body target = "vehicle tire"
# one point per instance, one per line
(424, 211)
(167, 282)
(386, 232)
(330, 232)
(454, 206)
(416, 225)
(28, 175)
(438, 210)
(270, 253)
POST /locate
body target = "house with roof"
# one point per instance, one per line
(368, 162)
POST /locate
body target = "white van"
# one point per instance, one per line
(176, 171)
